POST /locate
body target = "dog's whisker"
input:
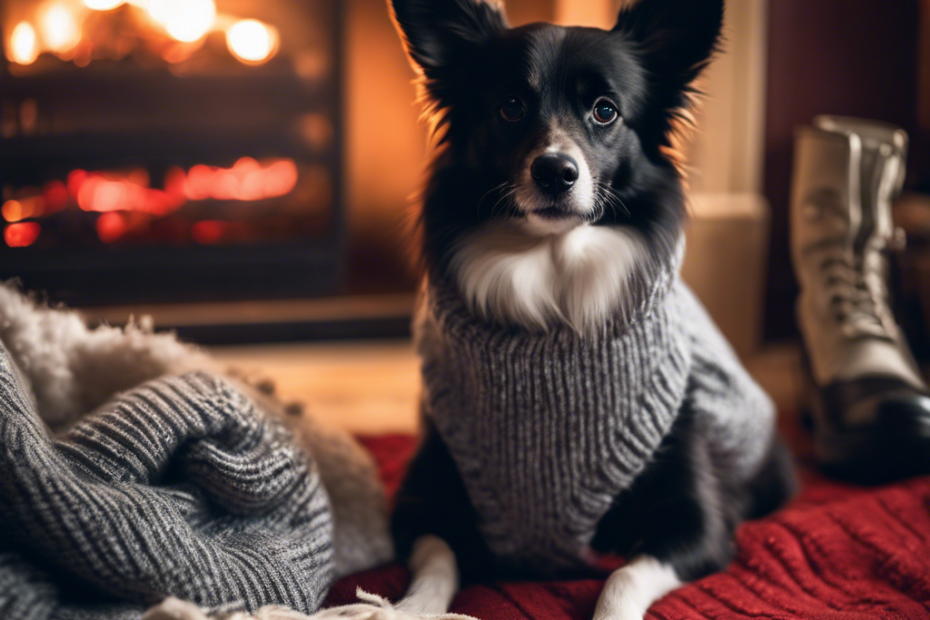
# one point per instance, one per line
(481, 200)
(611, 197)
(506, 198)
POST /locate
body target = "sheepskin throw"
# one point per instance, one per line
(186, 485)
(547, 428)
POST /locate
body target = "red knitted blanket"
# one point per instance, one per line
(836, 552)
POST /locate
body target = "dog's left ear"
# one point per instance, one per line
(677, 37)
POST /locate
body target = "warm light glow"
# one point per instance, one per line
(159, 10)
(110, 227)
(208, 232)
(248, 180)
(16, 210)
(12, 210)
(22, 234)
(23, 49)
(188, 20)
(60, 28)
(103, 5)
(251, 41)
(96, 192)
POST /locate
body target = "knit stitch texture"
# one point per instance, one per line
(177, 487)
(547, 428)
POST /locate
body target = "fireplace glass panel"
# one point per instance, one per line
(155, 150)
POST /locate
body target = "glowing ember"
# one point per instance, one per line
(110, 227)
(16, 210)
(251, 41)
(96, 192)
(22, 234)
(12, 210)
(103, 5)
(208, 232)
(247, 180)
(190, 20)
(23, 48)
(60, 29)
(125, 201)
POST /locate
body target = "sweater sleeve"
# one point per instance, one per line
(738, 415)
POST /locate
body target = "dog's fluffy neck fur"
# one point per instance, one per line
(580, 277)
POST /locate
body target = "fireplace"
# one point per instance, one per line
(171, 150)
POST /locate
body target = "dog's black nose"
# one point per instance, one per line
(554, 173)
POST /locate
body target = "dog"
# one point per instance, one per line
(578, 402)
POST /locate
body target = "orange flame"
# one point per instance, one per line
(60, 25)
(251, 41)
(103, 5)
(60, 28)
(24, 48)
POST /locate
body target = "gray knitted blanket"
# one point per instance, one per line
(177, 487)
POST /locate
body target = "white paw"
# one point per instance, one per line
(378, 608)
(629, 614)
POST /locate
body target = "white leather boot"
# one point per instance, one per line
(870, 406)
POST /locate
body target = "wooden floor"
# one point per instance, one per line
(373, 387)
(362, 387)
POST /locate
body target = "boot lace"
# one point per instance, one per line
(854, 285)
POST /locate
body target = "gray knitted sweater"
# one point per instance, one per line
(548, 428)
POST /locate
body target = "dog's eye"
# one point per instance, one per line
(605, 112)
(512, 109)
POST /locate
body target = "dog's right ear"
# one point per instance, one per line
(437, 32)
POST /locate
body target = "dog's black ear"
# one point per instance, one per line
(438, 32)
(677, 37)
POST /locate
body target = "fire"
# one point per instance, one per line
(16, 210)
(111, 226)
(12, 211)
(125, 201)
(251, 41)
(247, 180)
(24, 47)
(60, 25)
(94, 191)
(60, 29)
(21, 234)
(208, 232)
(103, 5)
(189, 20)
(159, 11)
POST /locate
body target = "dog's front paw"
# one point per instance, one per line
(375, 607)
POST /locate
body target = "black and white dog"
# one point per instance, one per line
(565, 134)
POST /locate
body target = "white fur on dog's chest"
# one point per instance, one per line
(578, 277)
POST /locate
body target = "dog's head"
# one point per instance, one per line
(550, 126)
